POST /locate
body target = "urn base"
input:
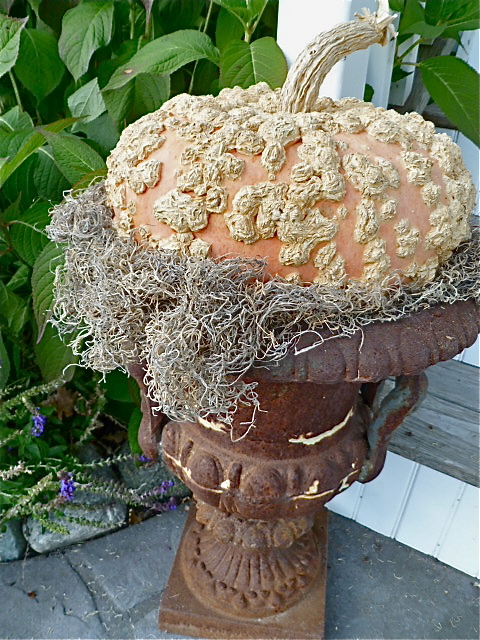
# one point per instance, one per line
(186, 612)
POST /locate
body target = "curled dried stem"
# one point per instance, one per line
(301, 88)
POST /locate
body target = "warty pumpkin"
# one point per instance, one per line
(324, 191)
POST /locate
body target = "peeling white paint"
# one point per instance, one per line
(304, 439)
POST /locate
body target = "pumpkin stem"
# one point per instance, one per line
(302, 85)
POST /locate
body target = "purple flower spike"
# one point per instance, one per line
(67, 486)
(143, 458)
(39, 422)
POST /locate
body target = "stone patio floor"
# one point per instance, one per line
(110, 588)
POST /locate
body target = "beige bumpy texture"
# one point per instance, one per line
(221, 135)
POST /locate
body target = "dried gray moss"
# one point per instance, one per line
(198, 325)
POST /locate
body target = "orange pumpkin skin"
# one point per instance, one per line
(348, 192)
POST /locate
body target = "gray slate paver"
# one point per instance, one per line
(59, 604)
(110, 588)
(132, 565)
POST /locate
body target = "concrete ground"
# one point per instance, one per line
(110, 588)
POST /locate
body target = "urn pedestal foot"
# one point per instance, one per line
(185, 611)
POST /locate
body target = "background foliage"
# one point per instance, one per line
(73, 74)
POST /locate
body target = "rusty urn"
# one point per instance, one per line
(261, 261)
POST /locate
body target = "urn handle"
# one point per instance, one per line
(408, 393)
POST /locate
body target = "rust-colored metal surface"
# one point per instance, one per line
(151, 422)
(275, 473)
(381, 349)
(252, 552)
(184, 611)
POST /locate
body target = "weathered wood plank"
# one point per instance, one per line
(443, 433)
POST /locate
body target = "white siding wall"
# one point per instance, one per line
(417, 506)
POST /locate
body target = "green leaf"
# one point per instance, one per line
(73, 157)
(455, 87)
(10, 30)
(22, 183)
(244, 64)
(133, 428)
(15, 119)
(247, 11)
(20, 278)
(119, 102)
(39, 67)
(151, 91)
(43, 276)
(413, 13)
(205, 79)
(87, 102)
(53, 356)
(88, 179)
(165, 55)
(4, 364)
(26, 232)
(49, 181)
(145, 93)
(421, 28)
(102, 130)
(116, 386)
(34, 142)
(13, 309)
(455, 15)
(228, 29)
(85, 28)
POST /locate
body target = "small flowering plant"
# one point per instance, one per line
(41, 430)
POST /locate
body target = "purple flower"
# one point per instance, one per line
(172, 504)
(143, 458)
(67, 486)
(39, 422)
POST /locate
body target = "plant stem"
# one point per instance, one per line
(15, 89)
(204, 29)
(401, 58)
(250, 31)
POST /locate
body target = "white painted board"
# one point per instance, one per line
(383, 500)
(428, 510)
(460, 547)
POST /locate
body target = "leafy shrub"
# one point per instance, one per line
(73, 74)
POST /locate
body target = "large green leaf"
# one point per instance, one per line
(228, 29)
(85, 28)
(26, 232)
(455, 87)
(38, 66)
(53, 356)
(87, 102)
(10, 30)
(244, 64)
(102, 130)
(73, 157)
(151, 91)
(4, 364)
(165, 55)
(43, 276)
(49, 181)
(455, 16)
(31, 144)
(22, 183)
(145, 93)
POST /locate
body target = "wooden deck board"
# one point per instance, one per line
(443, 433)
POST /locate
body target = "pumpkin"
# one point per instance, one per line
(326, 192)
